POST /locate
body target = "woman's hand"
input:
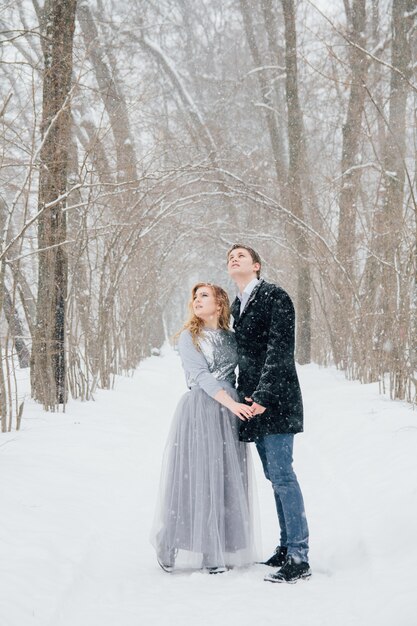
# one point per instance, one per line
(243, 411)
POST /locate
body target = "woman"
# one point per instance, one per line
(204, 516)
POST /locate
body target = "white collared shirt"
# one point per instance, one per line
(244, 297)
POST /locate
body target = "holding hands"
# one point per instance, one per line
(257, 409)
(245, 412)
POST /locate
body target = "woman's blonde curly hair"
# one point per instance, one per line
(194, 324)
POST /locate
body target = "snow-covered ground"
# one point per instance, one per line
(77, 492)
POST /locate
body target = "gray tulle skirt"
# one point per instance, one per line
(206, 504)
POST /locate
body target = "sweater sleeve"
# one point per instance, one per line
(279, 353)
(195, 366)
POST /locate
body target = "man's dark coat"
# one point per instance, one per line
(265, 339)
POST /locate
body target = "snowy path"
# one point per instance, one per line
(77, 494)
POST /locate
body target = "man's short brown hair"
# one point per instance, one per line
(255, 256)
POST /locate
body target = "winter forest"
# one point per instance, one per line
(140, 139)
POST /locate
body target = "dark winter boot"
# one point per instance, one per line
(212, 569)
(291, 572)
(278, 558)
(216, 570)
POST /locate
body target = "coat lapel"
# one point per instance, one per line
(236, 304)
(234, 309)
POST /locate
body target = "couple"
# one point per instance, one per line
(204, 517)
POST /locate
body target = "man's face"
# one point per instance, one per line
(241, 265)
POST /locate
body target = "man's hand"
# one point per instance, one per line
(257, 409)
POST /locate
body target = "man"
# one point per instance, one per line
(264, 323)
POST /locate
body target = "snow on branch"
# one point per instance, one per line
(176, 79)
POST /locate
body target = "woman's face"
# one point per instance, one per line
(204, 304)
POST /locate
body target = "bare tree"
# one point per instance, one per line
(275, 134)
(350, 181)
(48, 354)
(111, 93)
(295, 195)
(390, 220)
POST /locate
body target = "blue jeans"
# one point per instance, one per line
(276, 456)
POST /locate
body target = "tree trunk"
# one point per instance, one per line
(295, 125)
(277, 144)
(111, 94)
(350, 182)
(390, 227)
(48, 353)
(16, 329)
